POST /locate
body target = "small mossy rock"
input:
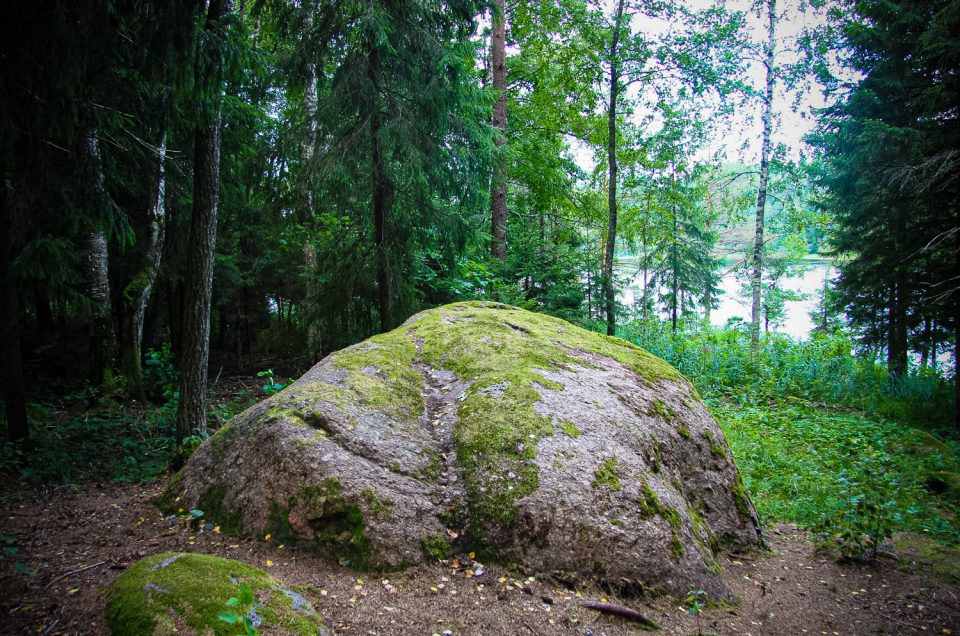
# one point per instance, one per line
(517, 434)
(179, 593)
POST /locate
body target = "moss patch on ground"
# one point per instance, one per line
(162, 593)
(925, 554)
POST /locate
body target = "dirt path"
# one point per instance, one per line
(77, 543)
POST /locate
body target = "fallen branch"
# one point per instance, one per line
(620, 610)
(77, 571)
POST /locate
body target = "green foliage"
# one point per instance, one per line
(822, 369)
(10, 548)
(823, 439)
(889, 173)
(110, 440)
(696, 601)
(160, 376)
(854, 478)
(239, 613)
(870, 505)
(271, 387)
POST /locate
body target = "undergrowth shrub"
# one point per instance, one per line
(821, 369)
(112, 440)
(824, 439)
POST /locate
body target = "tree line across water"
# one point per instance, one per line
(272, 180)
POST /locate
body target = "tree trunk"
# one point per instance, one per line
(14, 396)
(498, 245)
(380, 203)
(138, 292)
(764, 174)
(675, 266)
(608, 288)
(897, 330)
(191, 411)
(305, 207)
(708, 275)
(103, 342)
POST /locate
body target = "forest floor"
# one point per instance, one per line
(76, 542)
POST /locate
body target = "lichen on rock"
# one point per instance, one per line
(519, 434)
(168, 593)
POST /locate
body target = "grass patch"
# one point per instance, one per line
(802, 464)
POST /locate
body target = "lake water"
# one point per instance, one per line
(734, 304)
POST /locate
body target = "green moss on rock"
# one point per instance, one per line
(676, 545)
(608, 474)
(659, 407)
(164, 593)
(216, 511)
(569, 429)
(429, 471)
(381, 371)
(337, 523)
(435, 547)
(497, 433)
(167, 501)
(740, 497)
(377, 506)
(716, 448)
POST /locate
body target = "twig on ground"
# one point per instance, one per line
(620, 610)
(77, 571)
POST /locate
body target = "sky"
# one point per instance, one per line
(737, 138)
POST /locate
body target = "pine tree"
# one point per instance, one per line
(891, 174)
(191, 410)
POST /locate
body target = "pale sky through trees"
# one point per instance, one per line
(736, 137)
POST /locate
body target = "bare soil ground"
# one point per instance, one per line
(76, 543)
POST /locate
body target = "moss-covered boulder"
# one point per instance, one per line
(482, 426)
(179, 593)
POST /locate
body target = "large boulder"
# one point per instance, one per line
(178, 593)
(483, 426)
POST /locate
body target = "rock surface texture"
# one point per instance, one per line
(178, 593)
(485, 427)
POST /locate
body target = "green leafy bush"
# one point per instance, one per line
(824, 439)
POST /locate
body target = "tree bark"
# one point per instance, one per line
(380, 199)
(191, 410)
(764, 175)
(675, 266)
(103, 342)
(14, 395)
(708, 275)
(305, 207)
(138, 292)
(608, 289)
(498, 245)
